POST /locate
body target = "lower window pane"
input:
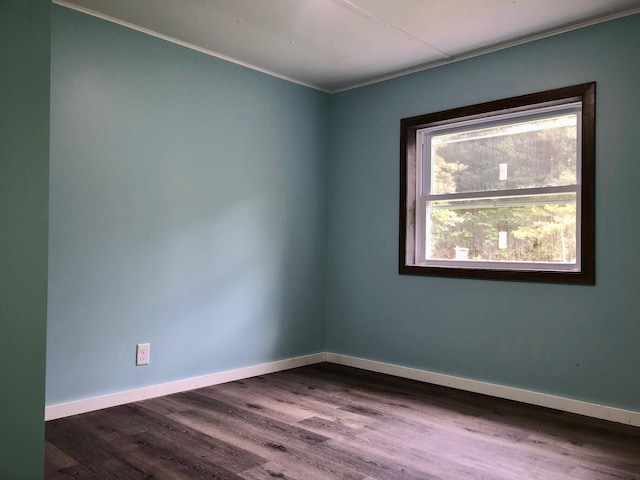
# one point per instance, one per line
(532, 229)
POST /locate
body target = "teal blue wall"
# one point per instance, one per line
(24, 174)
(574, 341)
(187, 209)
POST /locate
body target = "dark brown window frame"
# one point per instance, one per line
(408, 130)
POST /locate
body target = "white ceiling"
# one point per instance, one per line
(334, 45)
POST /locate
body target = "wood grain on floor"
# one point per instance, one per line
(329, 422)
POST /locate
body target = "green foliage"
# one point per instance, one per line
(543, 154)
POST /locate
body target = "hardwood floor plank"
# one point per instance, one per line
(363, 461)
(56, 459)
(289, 445)
(169, 434)
(92, 452)
(330, 422)
(516, 421)
(294, 439)
(601, 473)
(271, 471)
(330, 428)
(591, 453)
(358, 461)
(168, 460)
(401, 451)
(306, 468)
(278, 403)
(452, 442)
(60, 466)
(78, 472)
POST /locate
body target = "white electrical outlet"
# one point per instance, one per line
(143, 353)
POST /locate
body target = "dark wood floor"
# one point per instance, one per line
(331, 422)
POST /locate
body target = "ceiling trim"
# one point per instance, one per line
(495, 48)
(182, 43)
(439, 63)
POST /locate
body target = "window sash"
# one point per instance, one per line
(423, 260)
(424, 185)
(424, 136)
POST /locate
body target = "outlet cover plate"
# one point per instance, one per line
(143, 353)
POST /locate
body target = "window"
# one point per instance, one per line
(501, 190)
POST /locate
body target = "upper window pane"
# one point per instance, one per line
(525, 154)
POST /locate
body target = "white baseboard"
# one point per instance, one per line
(570, 405)
(120, 398)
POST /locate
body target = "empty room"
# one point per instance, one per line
(319, 239)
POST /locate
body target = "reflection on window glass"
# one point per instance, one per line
(521, 155)
(523, 229)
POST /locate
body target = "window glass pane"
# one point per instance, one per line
(524, 229)
(527, 154)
